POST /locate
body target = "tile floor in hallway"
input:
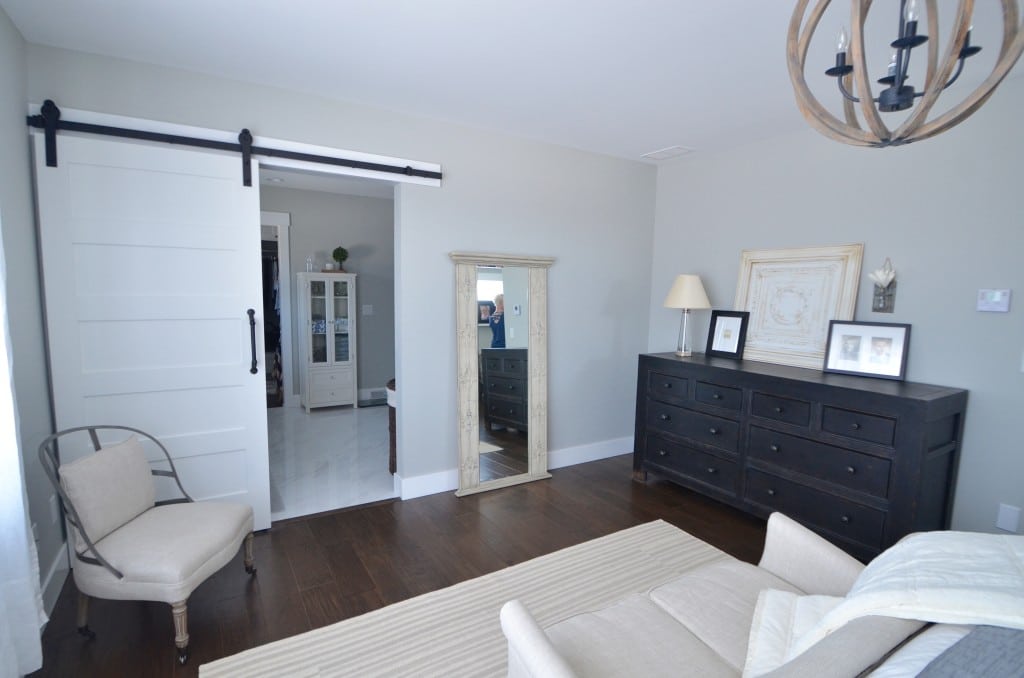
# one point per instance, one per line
(329, 458)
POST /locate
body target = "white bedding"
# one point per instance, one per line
(945, 577)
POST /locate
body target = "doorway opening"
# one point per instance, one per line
(326, 457)
(272, 321)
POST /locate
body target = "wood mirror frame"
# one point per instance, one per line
(467, 356)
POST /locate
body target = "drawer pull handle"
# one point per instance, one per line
(664, 417)
(773, 448)
(851, 470)
(511, 411)
(712, 469)
(511, 387)
(713, 431)
(771, 492)
(855, 426)
(845, 519)
(716, 396)
(666, 385)
(778, 410)
(662, 453)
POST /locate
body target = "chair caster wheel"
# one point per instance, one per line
(87, 632)
(182, 656)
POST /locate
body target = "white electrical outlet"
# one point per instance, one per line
(54, 512)
(1008, 518)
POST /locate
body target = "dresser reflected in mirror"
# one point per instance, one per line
(502, 369)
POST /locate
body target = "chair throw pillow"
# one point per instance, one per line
(109, 487)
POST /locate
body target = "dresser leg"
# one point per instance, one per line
(640, 476)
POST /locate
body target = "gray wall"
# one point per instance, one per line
(500, 194)
(947, 211)
(23, 298)
(366, 228)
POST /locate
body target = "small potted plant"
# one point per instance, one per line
(340, 254)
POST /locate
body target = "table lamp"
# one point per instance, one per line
(688, 294)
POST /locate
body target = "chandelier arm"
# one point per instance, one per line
(933, 45)
(849, 110)
(956, 74)
(979, 96)
(796, 56)
(859, 10)
(847, 96)
(920, 113)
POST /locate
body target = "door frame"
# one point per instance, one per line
(282, 222)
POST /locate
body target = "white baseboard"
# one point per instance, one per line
(374, 393)
(53, 580)
(447, 481)
(431, 483)
(581, 454)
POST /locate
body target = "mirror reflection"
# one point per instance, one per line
(503, 340)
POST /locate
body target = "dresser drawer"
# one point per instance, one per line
(842, 517)
(320, 380)
(666, 387)
(858, 425)
(719, 396)
(701, 466)
(496, 363)
(504, 386)
(860, 472)
(791, 411)
(699, 427)
(513, 411)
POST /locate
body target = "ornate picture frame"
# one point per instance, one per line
(868, 349)
(792, 295)
(727, 334)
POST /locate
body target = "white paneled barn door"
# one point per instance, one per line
(151, 259)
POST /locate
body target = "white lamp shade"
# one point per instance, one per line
(687, 292)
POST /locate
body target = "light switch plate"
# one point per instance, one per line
(994, 301)
(1008, 518)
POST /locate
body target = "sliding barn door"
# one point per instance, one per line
(151, 259)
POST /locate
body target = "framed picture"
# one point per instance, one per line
(484, 311)
(791, 295)
(868, 349)
(728, 334)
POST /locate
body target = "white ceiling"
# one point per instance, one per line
(614, 77)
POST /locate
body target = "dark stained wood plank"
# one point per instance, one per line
(321, 569)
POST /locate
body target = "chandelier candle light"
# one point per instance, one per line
(897, 95)
(688, 294)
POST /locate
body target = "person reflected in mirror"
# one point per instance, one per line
(497, 322)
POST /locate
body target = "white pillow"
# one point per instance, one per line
(109, 487)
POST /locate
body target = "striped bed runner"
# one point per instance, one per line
(455, 631)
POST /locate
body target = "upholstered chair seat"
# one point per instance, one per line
(128, 545)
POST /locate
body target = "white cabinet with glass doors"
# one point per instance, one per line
(327, 324)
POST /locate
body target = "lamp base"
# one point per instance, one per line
(684, 354)
(683, 346)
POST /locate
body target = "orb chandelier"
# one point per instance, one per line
(851, 74)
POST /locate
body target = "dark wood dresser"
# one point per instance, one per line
(504, 379)
(862, 461)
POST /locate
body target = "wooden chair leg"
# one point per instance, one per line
(83, 617)
(249, 566)
(180, 612)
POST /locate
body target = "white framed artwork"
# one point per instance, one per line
(791, 295)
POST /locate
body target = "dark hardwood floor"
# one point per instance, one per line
(321, 569)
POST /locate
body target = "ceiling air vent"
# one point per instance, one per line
(666, 153)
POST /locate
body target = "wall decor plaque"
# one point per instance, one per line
(791, 295)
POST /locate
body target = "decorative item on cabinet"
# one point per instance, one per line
(327, 348)
(687, 294)
(340, 254)
(868, 349)
(884, 298)
(728, 334)
(862, 461)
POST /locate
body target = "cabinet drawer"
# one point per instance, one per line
(719, 396)
(854, 470)
(858, 425)
(845, 518)
(513, 365)
(703, 428)
(503, 386)
(791, 411)
(506, 410)
(665, 387)
(320, 380)
(701, 466)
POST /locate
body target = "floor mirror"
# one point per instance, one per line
(501, 351)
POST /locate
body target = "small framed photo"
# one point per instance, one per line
(867, 349)
(484, 311)
(728, 334)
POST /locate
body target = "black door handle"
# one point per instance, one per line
(252, 338)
